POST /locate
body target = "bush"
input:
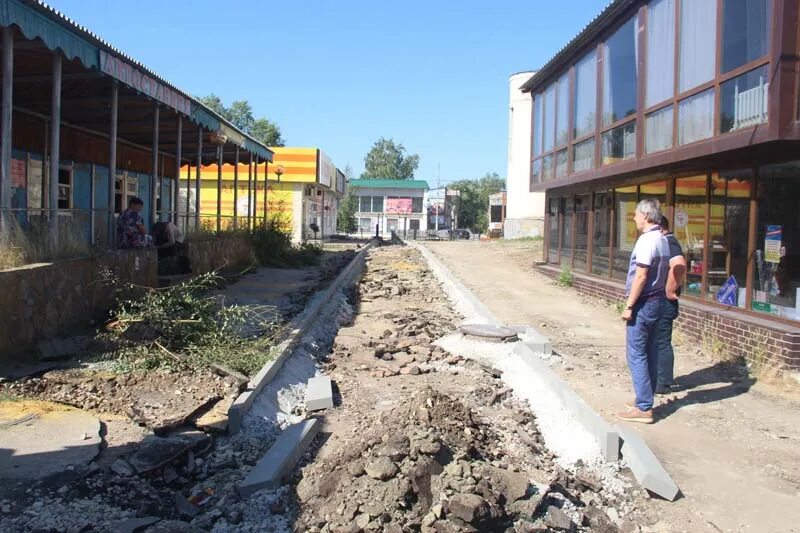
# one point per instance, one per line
(565, 277)
(273, 247)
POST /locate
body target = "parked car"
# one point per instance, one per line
(461, 234)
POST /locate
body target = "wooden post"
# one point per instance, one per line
(266, 186)
(236, 190)
(178, 157)
(154, 180)
(5, 123)
(112, 163)
(752, 235)
(250, 193)
(55, 144)
(255, 192)
(219, 189)
(198, 172)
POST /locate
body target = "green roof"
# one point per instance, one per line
(389, 184)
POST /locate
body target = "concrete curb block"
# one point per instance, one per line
(319, 393)
(299, 326)
(645, 465)
(603, 432)
(280, 458)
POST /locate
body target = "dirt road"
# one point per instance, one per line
(732, 445)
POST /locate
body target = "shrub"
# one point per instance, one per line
(273, 247)
(565, 277)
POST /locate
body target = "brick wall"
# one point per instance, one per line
(722, 333)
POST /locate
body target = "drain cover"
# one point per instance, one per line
(488, 333)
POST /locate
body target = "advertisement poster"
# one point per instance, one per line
(400, 206)
(772, 244)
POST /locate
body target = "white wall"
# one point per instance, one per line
(525, 210)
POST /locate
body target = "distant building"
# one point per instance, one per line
(390, 205)
(497, 214)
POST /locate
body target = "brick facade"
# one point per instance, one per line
(723, 333)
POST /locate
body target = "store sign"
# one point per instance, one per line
(399, 206)
(144, 83)
(327, 171)
(681, 218)
(726, 295)
(772, 244)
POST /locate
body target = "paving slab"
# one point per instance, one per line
(319, 393)
(282, 456)
(646, 467)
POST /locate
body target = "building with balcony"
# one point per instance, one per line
(695, 103)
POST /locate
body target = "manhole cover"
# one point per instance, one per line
(488, 333)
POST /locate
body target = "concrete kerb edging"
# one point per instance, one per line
(299, 326)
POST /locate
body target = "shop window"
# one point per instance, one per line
(568, 210)
(582, 206)
(377, 204)
(626, 232)
(777, 272)
(364, 204)
(696, 118)
(126, 186)
(658, 130)
(537, 125)
(413, 224)
(744, 100)
(745, 32)
(536, 172)
(416, 204)
(65, 188)
(585, 95)
(583, 156)
(365, 225)
(659, 84)
(601, 240)
(552, 251)
(620, 55)
(391, 224)
(689, 227)
(35, 184)
(549, 118)
(562, 111)
(547, 168)
(619, 144)
(657, 190)
(728, 224)
(561, 164)
(698, 43)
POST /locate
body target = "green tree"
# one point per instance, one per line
(472, 206)
(267, 132)
(388, 160)
(240, 114)
(346, 215)
(215, 103)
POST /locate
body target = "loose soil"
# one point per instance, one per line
(731, 442)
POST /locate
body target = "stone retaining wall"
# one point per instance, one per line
(45, 300)
(722, 333)
(225, 253)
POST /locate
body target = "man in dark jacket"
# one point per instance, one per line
(669, 311)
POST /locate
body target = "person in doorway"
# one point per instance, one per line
(645, 290)
(669, 312)
(130, 226)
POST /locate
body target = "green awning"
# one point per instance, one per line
(36, 25)
(204, 117)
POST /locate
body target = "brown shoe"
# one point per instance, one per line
(636, 415)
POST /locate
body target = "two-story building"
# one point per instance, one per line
(390, 205)
(695, 103)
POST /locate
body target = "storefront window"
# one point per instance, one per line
(549, 118)
(698, 44)
(744, 100)
(537, 125)
(660, 55)
(585, 95)
(626, 232)
(689, 227)
(561, 164)
(727, 230)
(696, 117)
(568, 208)
(620, 54)
(619, 143)
(777, 274)
(377, 204)
(582, 205)
(416, 204)
(583, 156)
(658, 130)
(552, 254)
(562, 127)
(745, 30)
(364, 204)
(601, 240)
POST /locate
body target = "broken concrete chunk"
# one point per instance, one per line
(121, 467)
(470, 508)
(155, 452)
(381, 468)
(558, 519)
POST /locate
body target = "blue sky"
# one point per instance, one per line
(430, 74)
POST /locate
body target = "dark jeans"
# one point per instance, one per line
(641, 351)
(666, 356)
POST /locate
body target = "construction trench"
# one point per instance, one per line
(424, 433)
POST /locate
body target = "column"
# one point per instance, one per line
(112, 163)
(5, 122)
(250, 193)
(255, 193)
(266, 187)
(197, 177)
(236, 189)
(219, 189)
(178, 155)
(55, 144)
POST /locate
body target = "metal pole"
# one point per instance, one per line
(154, 176)
(219, 189)
(178, 155)
(112, 163)
(197, 177)
(266, 186)
(5, 120)
(250, 193)
(255, 192)
(188, 195)
(55, 138)
(236, 190)
(92, 203)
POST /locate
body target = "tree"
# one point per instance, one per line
(240, 114)
(388, 160)
(472, 205)
(346, 214)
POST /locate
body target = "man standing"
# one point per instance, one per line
(647, 277)
(669, 311)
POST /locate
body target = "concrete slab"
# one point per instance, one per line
(280, 458)
(645, 466)
(319, 393)
(39, 439)
(488, 332)
(155, 452)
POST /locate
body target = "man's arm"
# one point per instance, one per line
(677, 270)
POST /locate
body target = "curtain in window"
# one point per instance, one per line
(658, 131)
(696, 118)
(698, 42)
(660, 51)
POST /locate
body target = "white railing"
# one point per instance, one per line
(750, 106)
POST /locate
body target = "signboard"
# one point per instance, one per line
(681, 218)
(327, 172)
(399, 206)
(727, 294)
(772, 244)
(142, 82)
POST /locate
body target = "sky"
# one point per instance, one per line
(337, 75)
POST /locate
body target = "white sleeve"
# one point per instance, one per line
(644, 251)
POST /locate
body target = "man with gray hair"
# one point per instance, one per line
(647, 277)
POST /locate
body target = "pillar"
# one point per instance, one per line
(55, 144)
(112, 163)
(178, 156)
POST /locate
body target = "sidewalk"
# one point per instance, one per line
(732, 445)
